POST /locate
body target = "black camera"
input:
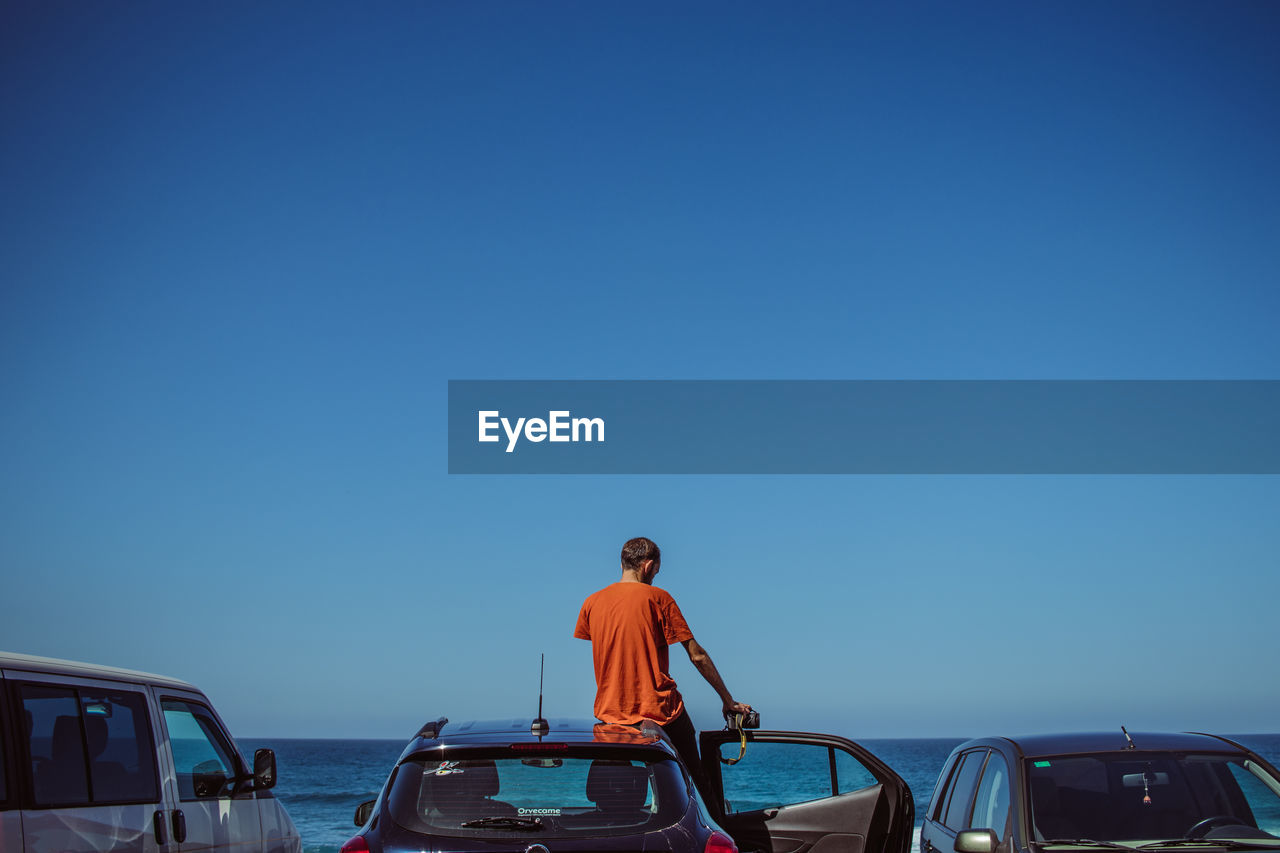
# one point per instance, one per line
(749, 720)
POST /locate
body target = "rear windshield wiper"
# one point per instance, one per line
(521, 823)
(1085, 842)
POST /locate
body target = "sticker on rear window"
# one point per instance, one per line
(1043, 764)
(445, 768)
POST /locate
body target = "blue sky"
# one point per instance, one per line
(244, 247)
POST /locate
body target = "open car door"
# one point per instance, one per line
(793, 792)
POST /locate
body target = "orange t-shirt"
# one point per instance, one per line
(630, 626)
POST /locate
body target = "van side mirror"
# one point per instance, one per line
(364, 811)
(976, 841)
(264, 769)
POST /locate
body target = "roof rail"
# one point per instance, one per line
(432, 729)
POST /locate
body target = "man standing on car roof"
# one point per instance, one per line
(630, 625)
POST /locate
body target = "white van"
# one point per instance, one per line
(98, 759)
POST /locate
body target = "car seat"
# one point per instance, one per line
(618, 789)
(110, 779)
(61, 779)
(464, 794)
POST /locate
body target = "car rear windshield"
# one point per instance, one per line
(1129, 796)
(578, 792)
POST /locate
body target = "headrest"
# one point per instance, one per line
(96, 729)
(617, 785)
(460, 789)
(479, 779)
(66, 736)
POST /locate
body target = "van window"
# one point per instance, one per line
(202, 754)
(89, 745)
(121, 751)
(4, 763)
(56, 746)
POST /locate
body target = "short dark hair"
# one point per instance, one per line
(637, 550)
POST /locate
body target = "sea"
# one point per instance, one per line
(322, 781)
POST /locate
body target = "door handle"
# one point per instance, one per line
(179, 826)
(157, 824)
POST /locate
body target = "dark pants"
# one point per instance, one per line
(685, 739)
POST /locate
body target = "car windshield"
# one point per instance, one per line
(1154, 796)
(573, 793)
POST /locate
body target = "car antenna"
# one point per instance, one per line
(540, 726)
(1131, 745)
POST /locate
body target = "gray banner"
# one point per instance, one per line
(864, 427)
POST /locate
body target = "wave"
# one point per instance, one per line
(327, 798)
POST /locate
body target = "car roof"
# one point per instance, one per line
(31, 663)
(1083, 743)
(444, 732)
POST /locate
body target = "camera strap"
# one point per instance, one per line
(735, 722)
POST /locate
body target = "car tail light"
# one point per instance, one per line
(356, 845)
(720, 843)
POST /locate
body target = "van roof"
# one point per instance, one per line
(14, 661)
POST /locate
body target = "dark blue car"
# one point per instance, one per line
(581, 786)
(1109, 790)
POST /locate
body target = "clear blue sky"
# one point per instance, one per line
(244, 247)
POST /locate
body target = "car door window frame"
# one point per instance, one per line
(994, 756)
(942, 790)
(881, 772)
(979, 756)
(890, 791)
(219, 739)
(831, 779)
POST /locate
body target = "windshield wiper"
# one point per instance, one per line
(1228, 843)
(522, 823)
(1086, 842)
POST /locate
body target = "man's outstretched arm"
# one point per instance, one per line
(702, 662)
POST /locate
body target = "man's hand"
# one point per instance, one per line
(731, 707)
